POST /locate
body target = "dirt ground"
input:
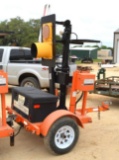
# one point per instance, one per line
(99, 140)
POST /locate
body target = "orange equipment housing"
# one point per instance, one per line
(81, 81)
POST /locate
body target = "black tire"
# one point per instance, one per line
(62, 136)
(30, 82)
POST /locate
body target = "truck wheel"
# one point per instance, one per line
(62, 136)
(30, 82)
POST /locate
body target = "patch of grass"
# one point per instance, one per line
(78, 62)
(97, 60)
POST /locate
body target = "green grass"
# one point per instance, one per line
(97, 60)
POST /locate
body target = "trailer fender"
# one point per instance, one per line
(51, 118)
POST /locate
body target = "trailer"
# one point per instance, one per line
(108, 86)
(38, 111)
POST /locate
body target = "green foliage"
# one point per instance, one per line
(101, 47)
(58, 46)
(25, 33)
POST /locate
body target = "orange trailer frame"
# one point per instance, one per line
(80, 115)
(81, 81)
(5, 129)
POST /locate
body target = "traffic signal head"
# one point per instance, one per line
(46, 48)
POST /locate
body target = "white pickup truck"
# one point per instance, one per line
(23, 70)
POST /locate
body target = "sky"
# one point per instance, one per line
(90, 19)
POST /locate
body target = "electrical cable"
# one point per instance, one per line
(18, 131)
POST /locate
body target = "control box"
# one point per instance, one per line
(86, 81)
(33, 104)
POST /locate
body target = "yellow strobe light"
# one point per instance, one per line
(45, 48)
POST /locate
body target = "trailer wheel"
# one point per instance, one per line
(30, 82)
(62, 136)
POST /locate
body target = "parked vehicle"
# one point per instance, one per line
(23, 70)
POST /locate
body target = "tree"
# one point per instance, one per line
(25, 33)
(58, 46)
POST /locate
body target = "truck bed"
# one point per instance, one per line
(108, 86)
